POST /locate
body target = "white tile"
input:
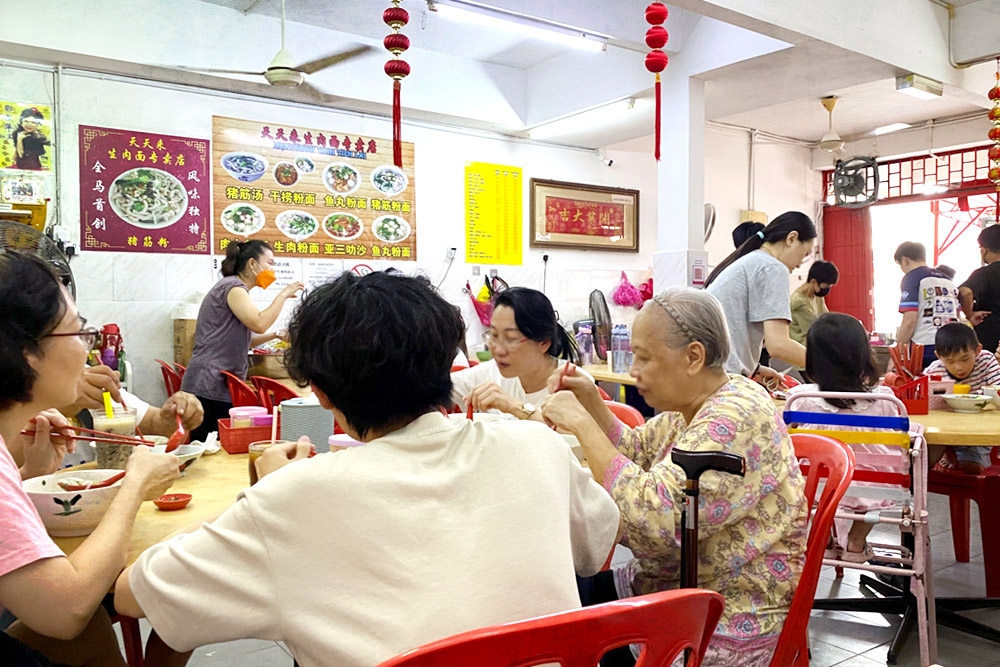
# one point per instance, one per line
(150, 328)
(139, 277)
(826, 655)
(92, 273)
(852, 633)
(187, 275)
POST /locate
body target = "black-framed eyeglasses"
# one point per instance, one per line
(87, 336)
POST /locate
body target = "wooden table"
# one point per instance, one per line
(213, 482)
(944, 427)
(602, 373)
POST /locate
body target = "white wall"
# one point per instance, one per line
(140, 291)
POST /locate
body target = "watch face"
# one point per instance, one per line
(529, 408)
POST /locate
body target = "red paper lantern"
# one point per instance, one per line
(994, 174)
(396, 17)
(994, 114)
(995, 152)
(656, 13)
(396, 43)
(656, 37)
(656, 61)
(994, 93)
(397, 69)
(995, 133)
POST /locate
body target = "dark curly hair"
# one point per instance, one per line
(32, 306)
(379, 346)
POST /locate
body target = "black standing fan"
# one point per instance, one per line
(29, 241)
(602, 324)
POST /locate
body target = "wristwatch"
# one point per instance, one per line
(527, 409)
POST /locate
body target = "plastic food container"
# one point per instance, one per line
(261, 420)
(242, 417)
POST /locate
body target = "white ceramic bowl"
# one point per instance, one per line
(71, 513)
(967, 402)
(188, 454)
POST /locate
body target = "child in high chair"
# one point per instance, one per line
(961, 357)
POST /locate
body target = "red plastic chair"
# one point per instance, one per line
(272, 392)
(831, 459)
(985, 490)
(180, 370)
(579, 638)
(626, 414)
(171, 378)
(605, 395)
(240, 393)
(131, 639)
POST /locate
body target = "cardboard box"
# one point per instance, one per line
(183, 340)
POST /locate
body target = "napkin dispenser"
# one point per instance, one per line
(305, 416)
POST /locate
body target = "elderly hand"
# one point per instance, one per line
(282, 454)
(489, 396)
(565, 412)
(164, 421)
(582, 387)
(771, 379)
(94, 381)
(43, 452)
(151, 474)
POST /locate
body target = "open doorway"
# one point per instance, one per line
(948, 228)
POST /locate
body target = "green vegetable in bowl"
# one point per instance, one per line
(391, 229)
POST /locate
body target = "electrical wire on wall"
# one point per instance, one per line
(451, 260)
(545, 271)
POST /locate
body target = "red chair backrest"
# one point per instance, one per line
(240, 393)
(578, 638)
(834, 460)
(180, 370)
(171, 378)
(272, 392)
(605, 395)
(626, 414)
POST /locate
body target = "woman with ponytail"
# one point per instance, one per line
(752, 286)
(229, 324)
(527, 342)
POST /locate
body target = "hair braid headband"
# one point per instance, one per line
(675, 316)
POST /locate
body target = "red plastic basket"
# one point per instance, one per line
(915, 395)
(237, 440)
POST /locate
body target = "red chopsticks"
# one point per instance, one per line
(96, 436)
(909, 360)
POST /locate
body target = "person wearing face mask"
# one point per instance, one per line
(808, 302)
(229, 324)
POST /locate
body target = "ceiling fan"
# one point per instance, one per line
(831, 141)
(282, 71)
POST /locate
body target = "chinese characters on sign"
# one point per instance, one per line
(577, 215)
(311, 193)
(143, 192)
(574, 216)
(493, 213)
(26, 136)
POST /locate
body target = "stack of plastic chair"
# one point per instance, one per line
(908, 493)
(240, 393)
(579, 638)
(171, 378)
(180, 370)
(271, 392)
(833, 460)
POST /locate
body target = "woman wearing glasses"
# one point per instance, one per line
(57, 599)
(526, 342)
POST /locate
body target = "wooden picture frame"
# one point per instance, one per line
(587, 217)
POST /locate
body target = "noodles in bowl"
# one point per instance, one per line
(148, 198)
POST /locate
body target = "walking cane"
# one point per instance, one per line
(694, 464)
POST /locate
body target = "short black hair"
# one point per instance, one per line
(955, 337)
(839, 356)
(823, 272)
(910, 250)
(33, 305)
(989, 238)
(379, 346)
(537, 320)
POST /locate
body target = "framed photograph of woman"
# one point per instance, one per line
(589, 217)
(29, 130)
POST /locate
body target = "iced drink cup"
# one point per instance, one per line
(255, 450)
(122, 422)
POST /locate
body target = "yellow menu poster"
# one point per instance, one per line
(493, 213)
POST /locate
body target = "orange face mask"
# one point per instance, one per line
(265, 278)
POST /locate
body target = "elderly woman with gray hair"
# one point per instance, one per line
(752, 530)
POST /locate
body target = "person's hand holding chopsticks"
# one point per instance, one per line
(44, 449)
(565, 379)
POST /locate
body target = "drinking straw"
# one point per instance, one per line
(108, 409)
(274, 425)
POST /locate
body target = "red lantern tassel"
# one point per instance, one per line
(656, 150)
(397, 126)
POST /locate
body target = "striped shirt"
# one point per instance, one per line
(985, 371)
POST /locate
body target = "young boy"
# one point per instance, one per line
(963, 359)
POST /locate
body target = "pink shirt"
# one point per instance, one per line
(23, 539)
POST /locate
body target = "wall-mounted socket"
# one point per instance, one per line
(475, 270)
(493, 273)
(451, 253)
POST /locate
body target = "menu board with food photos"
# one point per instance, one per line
(311, 193)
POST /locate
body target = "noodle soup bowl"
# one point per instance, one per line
(244, 166)
(71, 513)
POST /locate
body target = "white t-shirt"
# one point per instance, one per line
(466, 380)
(355, 556)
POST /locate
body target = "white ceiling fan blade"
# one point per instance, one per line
(332, 59)
(212, 70)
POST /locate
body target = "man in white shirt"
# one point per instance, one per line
(437, 525)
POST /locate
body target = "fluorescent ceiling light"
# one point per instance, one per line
(892, 127)
(919, 86)
(588, 119)
(520, 24)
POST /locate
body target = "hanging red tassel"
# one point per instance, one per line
(656, 60)
(656, 149)
(397, 125)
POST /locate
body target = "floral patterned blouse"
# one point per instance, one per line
(752, 529)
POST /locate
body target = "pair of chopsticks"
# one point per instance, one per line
(565, 371)
(909, 364)
(90, 435)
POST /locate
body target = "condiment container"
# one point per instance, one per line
(242, 417)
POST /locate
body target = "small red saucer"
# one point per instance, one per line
(173, 501)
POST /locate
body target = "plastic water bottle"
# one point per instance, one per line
(620, 346)
(585, 345)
